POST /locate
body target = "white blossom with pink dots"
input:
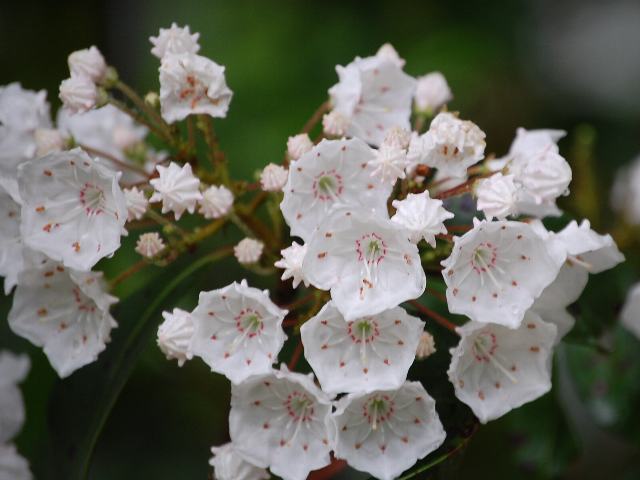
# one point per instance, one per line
(374, 94)
(362, 355)
(73, 209)
(495, 369)
(496, 271)
(366, 261)
(238, 331)
(191, 84)
(64, 311)
(385, 432)
(335, 173)
(280, 420)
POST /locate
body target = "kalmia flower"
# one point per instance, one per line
(64, 311)
(279, 420)
(421, 216)
(362, 355)
(335, 124)
(388, 52)
(385, 432)
(496, 271)
(88, 63)
(191, 84)
(334, 173)
(495, 369)
(397, 137)
(229, 465)
(248, 250)
(73, 209)
(216, 202)
(273, 178)
(149, 244)
(175, 335)
(451, 145)
(238, 331)
(78, 94)
(389, 164)
(174, 40)
(426, 346)
(177, 188)
(497, 196)
(137, 203)
(374, 94)
(432, 91)
(366, 261)
(11, 246)
(291, 262)
(298, 145)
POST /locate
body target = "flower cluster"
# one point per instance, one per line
(369, 206)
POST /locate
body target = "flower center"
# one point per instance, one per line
(484, 257)
(378, 409)
(92, 199)
(327, 185)
(371, 248)
(363, 331)
(299, 406)
(249, 322)
(484, 346)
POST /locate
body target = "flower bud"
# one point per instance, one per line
(88, 63)
(78, 94)
(426, 346)
(298, 145)
(335, 124)
(273, 178)
(432, 92)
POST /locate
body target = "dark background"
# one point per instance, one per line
(573, 65)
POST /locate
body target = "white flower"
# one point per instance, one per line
(625, 194)
(397, 137)
(13, 370)
(291, 262)
(137, 203)
(248, 250)
(149, 244)
(238, 331)
(421, 216)
(48, 140)
(298, 145)
(387, 52)
(385, 432)
(216, 201)
(11, 247)
(175, 334)
(177, 188)
(174, 40)
(273, 178)
(496, 271)
(229, 465)
(374, 94)
(362, 355)
(497, 196)
(279, 420)
(334, 173)
(432, 91)
(582, 251)
(64, 311)
(451, 145)
(630, 315)
(78, 94)
(22, 113)
(367, 261)
(73, 209)
(191, 84)
(537, 167)
(88, 63)
(388, 164)
(426, 346)
(12, 465)
(335, 124)
(495, 369)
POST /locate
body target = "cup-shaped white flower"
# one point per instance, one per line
(497, 196)
(73, 209)
(12, 464)
(495, 369)
(238, 331)
(334, 173)
(191, 84)
(630, 315)
(228, 465)
(374, 94)
(451, 145)
(177, 188)
(363, 355)
(13, 370)
(496, 270)
(64, 311)
(386, 432)
(175, 335)
(366, 261)
(291, 262)
(174, 40)
(421, 216)
(11, 247)
(280, 420)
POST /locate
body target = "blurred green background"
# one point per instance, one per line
(573, 65)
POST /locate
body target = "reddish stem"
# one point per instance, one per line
(434, 316)
(296, 356)
(437, 294)
(336, 466)
(316, 117)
